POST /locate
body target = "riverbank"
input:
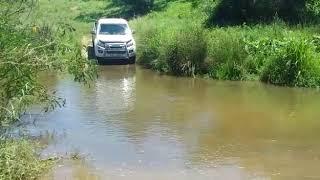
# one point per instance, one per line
(19, 159)
(176, 41)
(29, 46)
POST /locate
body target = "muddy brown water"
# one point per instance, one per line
(133, 123)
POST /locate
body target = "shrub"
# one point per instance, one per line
(175, 42)
(186, 51)
(226, 54)
(295, 63)
(148, 44)
(171, 41)
(19, 160)
(132, 8)
(27, 50)
(240, 11)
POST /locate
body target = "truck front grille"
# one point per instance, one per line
(116, 52)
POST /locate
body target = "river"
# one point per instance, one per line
(133, 123)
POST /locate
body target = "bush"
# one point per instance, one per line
(148, 45)
(240, 11)
(133, 7)
(186, 52)
(25, 51)
(19, 160)
(295, 63)
(226, 54)
(172, 41)
(179, 51)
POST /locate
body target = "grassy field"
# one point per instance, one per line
(78, 14)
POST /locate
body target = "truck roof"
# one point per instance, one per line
(112, 21)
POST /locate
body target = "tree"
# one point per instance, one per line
(240, 11)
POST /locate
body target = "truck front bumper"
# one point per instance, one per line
(122, 52)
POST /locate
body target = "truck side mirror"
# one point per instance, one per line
(93, 32)
(133, 31)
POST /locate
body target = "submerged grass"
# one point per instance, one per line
(176, 41)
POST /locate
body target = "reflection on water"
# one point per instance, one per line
(76, 169)
(135, 124)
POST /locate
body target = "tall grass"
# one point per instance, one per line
(226, 54)
(176, 41)
(28, 48)
(186, 51)
(274, 54)
(294, 63)
(172, 44)
(19, 160)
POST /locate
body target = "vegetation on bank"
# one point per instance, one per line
(185, 39)
(27, 48)
(19, 160)
(221, 39)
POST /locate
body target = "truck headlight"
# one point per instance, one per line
(101, 44)
(130, 43)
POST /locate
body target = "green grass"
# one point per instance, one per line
(78, 13)
(295, 63)
(176, 41)
(171, 41)
(19, 160)
(47, 39)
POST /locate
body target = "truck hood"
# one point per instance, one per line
(114, 38)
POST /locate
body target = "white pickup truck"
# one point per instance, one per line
(112, 39)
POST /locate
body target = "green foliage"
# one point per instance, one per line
(226, 54)
(295, 62)
(172, 44)
(25, 51)
(240, 11)
(175, 42)
(136, 6)
(149, 44)
(19, 160)
(186, 51)
(133, 8)
(28, 48)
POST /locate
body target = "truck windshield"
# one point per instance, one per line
(113, 29)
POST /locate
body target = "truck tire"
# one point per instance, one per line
(132, 60)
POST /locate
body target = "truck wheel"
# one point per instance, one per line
(91, 52)
(132, 60)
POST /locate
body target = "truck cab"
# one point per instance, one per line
(112, 39)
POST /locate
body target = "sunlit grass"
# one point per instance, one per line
(78, 13)
(19, 160)
(231, 53)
